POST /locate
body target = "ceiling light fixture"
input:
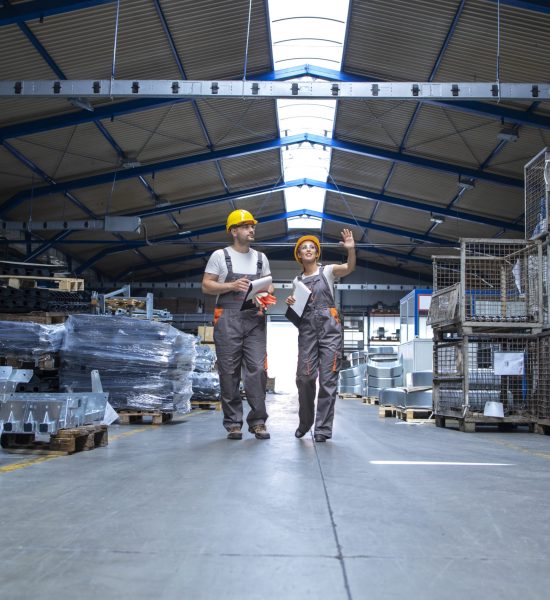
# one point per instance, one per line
(509, 133)
(466, 183)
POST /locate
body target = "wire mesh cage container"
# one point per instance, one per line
(446, 271)
(542, 390)
(546, 283)
(445, 307)
(483, 373)
(537, 188)
(501, 283)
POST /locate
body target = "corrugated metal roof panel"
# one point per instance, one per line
(253, 170)
(234, 122)
(358, 171)
(424, 185)
(211, 37)
(397, 40)
(524, 45)
(380, 122)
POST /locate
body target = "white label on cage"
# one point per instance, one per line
(509, 363)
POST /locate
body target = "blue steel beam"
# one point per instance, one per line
(183, 75)
(480, 109)
(370, 151)
(420, 206)
(345, 190)
(47, 245)
(542, 6)
(127, 245)
(284, 253)
(486, 110)
(84, 116)
(418, 106)
(26, 11)
(153, 167)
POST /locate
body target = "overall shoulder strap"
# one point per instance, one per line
(228, 262)
(259, 264)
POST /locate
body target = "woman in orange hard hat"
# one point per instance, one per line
(320, 337)
(239, 335)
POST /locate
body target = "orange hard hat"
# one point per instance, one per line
(239, 217)
(307, 238)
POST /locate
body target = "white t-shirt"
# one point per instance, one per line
(242, 262)
(328, 272)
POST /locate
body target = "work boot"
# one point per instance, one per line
(235, 433)
(260, 432)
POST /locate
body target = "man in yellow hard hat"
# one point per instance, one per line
(239, 335)
(320, 342)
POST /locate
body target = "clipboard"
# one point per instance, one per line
(255, 287)
(301, 294)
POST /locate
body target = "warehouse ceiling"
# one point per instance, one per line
(409, 177)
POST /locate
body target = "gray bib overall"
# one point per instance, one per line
(240, 339)
(320, 346)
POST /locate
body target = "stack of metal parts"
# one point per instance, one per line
(144, 364)
(45, 413)
(472, 370)
(405, 397)
(29, 341)
(352, 380)
(205, 381)
(384, 370)
(358, 357)
(27, 298)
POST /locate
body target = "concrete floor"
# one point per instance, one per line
(179, 512)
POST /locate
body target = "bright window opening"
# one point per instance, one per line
(306, 32)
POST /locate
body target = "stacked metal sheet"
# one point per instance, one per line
(384, 370)
(143, 364)
(352, 381)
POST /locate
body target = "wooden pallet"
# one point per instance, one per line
(65, 441)
(132, 417)
(63, 284)
(468, 423)
(46, 362)
(386, 410)
(206, 404)
(345, 396)
(542, 426)
(415, 414)
(371, 400)
(43, 318)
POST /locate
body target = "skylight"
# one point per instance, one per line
(306, 32)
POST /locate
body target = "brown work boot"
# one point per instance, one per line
(260, 432)
(235, 433)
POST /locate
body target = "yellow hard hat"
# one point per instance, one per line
(307, 238)
(239, 217)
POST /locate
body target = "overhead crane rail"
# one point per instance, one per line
(382, 90)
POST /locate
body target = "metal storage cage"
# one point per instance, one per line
(501, 282)
(471, 370)
(542, 390)
(537, 188)
(446, 271)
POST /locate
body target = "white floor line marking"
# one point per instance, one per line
(442, 463)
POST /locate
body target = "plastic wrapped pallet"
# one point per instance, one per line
(29, 341)
(205, 385)
(205, 358)
(143, 364)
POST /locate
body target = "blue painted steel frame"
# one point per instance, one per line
(27, 11)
